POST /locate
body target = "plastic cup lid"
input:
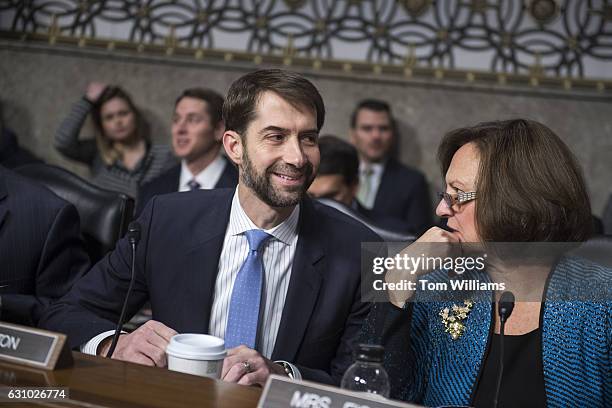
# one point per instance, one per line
(194, 346)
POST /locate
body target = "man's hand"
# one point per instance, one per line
(145, 345)
(94, 91)
(235, 370)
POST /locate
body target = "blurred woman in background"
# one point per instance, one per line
(121, 157)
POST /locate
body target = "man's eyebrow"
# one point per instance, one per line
(274, 129)
(309, 132)
(284, 131)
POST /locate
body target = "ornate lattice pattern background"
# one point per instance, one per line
(551, 37)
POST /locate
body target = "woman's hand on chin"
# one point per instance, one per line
(435, 242)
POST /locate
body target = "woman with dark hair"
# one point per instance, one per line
(121, 157)
(506, 182)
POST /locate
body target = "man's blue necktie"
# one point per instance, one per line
(246, 295)
(193, 185)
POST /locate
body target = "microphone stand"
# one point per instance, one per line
(133, 238)
(505, 308)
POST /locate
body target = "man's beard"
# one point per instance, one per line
(261, 184)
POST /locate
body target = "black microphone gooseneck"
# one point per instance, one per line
(133, 236)
(504, 309)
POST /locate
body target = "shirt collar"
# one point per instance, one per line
(240, 222)
(376, 168)
(207, 178)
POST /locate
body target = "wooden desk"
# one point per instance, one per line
(98, 382)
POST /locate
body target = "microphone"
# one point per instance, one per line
(133, 236)
(506, 306)
(504, 309)
(133, 233)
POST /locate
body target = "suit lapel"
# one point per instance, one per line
(201, 259)
(304, 285)
(385, 189)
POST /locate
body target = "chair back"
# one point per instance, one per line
(104, 214)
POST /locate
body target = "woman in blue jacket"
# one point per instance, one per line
(511, 181)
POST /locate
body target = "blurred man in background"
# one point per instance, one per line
(395, 195)
(197, 129)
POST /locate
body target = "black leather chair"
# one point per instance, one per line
(387, 235)
(104, 214)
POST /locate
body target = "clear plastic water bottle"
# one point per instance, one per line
(367, 373)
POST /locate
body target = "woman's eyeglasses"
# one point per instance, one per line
(459, 198)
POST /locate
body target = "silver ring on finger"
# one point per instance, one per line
(247, 366)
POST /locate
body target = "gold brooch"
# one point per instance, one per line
(453, 318)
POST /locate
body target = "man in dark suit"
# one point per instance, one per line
(197, 129)
(273, 273)
(41, 251)
(396, 195)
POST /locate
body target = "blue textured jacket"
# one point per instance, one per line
(427, 367)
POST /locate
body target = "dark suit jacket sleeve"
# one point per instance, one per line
(94, 303)
(62, 261)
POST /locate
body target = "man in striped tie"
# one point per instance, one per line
(262, 266)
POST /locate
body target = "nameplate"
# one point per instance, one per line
(282, 392)
(33, 347)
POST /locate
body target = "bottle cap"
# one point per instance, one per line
(372, 353)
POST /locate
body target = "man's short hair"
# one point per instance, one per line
(375, 105)
(240, 105)
(338, 157)
(214, 102)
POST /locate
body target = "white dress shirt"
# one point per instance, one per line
(278, 255)
(207, 178)
(368, 195)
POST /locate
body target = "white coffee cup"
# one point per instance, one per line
(198, 354)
